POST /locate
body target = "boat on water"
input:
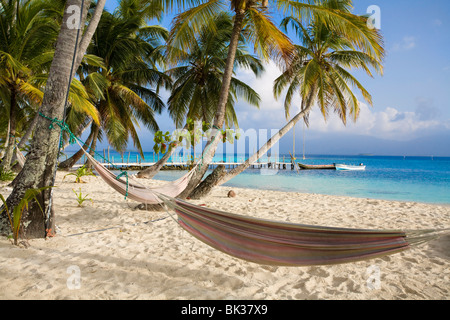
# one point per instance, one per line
(316, 166)
(361, 167)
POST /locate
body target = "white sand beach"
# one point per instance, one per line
(116, 253)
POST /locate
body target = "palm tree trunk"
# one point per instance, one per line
(5, 145)
(266, 147)
(219, 119)
(219, 178)
(29, 131)
(9, 150)
(67, 164)
(27, 135)
(150, 172)
(40, 166)
(93, 146)
(90, 30)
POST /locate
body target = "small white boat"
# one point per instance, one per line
(361, 167)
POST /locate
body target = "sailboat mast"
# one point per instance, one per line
(304, 141)
(293, 143)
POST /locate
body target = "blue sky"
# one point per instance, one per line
(410, 101)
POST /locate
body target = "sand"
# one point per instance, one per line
(108, 250)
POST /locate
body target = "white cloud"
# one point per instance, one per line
(389, 123)
(263, 85)
(407, 43)
(437, 22)
(271, 111)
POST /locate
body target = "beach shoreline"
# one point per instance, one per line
(117, 252)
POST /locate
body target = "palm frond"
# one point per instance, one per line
(189, 23)
(269, 41)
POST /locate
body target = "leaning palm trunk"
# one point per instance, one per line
(40, 165)
(5, 145)
(220, 178)
(150, 172)
(69, 163)
(266, 147)
(11, 138)
(93, 145)
(219, 119)
(27, 135)
(29, 131)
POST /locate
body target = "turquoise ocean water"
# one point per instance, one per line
(418, 179)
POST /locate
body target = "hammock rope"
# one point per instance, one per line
(263, 241)
(74, 139)
(275, 242)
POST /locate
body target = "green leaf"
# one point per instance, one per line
(30, 194)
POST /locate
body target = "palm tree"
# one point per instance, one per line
(197, 81)
(267, 40)
(320, 74)
(29, 32)
(198, 78)
(122, 88)
(41, 163)
(24, 37)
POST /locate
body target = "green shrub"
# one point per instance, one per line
(6, 175)
(16, 218)
(81, 172)
(80, 198)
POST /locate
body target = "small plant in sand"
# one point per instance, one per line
(81, 198)
(6, 175)
(81, 172)
(16, 218)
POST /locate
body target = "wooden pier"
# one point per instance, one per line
(185, 166)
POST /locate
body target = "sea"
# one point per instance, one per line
(401, 178)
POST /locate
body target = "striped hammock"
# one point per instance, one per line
(270, 242)
(20, 157)
(136, 191)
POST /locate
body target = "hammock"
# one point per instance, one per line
(269, 242)
(20, 158)
(136, 191)
(264, 241)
